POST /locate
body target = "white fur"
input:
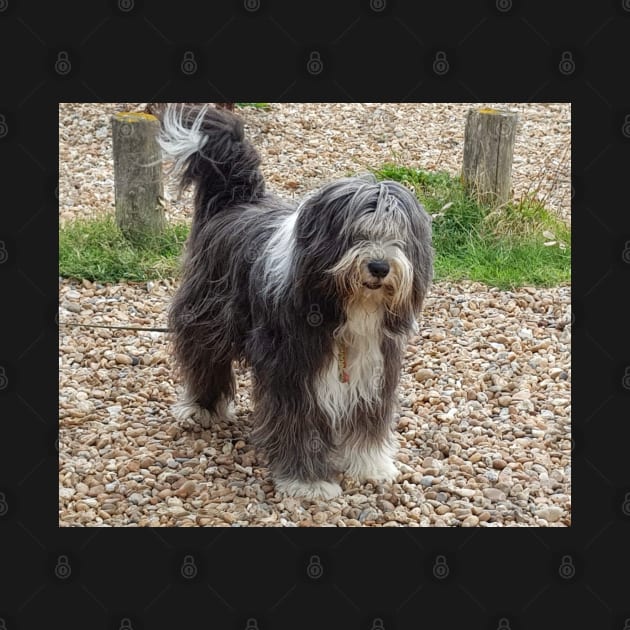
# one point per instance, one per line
(360, 337)
(279, 254)
(186, 407)
(374, 462)
(415, 328)
(178, 141)
(309, 490)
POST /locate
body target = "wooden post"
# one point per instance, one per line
(137, 174)
(488, 150)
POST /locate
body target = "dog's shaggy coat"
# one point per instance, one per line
(319, 299)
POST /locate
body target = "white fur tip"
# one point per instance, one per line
(373, 463)
(384, 471)
(179, 141)
(308, 490)
(186, 409)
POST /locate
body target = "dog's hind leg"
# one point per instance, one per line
(208, 395)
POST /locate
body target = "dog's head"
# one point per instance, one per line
(369, 242)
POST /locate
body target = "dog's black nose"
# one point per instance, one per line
(378, 268)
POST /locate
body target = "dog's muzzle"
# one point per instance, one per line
(378, 269)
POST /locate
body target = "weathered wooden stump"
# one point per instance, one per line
(488, 150)
(137, 175)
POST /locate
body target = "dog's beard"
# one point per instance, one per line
(357, 285)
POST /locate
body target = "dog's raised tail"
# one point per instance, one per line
(209, 150)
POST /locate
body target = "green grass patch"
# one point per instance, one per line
(515, 245)
(258, 105)
(95, 249)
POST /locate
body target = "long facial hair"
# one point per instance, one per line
(347, 225)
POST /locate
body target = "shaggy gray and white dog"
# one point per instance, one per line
(319, 300)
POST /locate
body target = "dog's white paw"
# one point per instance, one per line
(309, 490)
(383, 471)
(186, 409)
(373, 463)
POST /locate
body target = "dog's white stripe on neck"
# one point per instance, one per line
(359, 338)
(279, 254)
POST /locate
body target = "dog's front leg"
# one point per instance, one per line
(297, 439)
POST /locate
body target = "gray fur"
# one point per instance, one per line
(283, 305)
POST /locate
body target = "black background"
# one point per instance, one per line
(132, 50)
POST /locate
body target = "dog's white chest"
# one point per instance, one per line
(355, 371)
